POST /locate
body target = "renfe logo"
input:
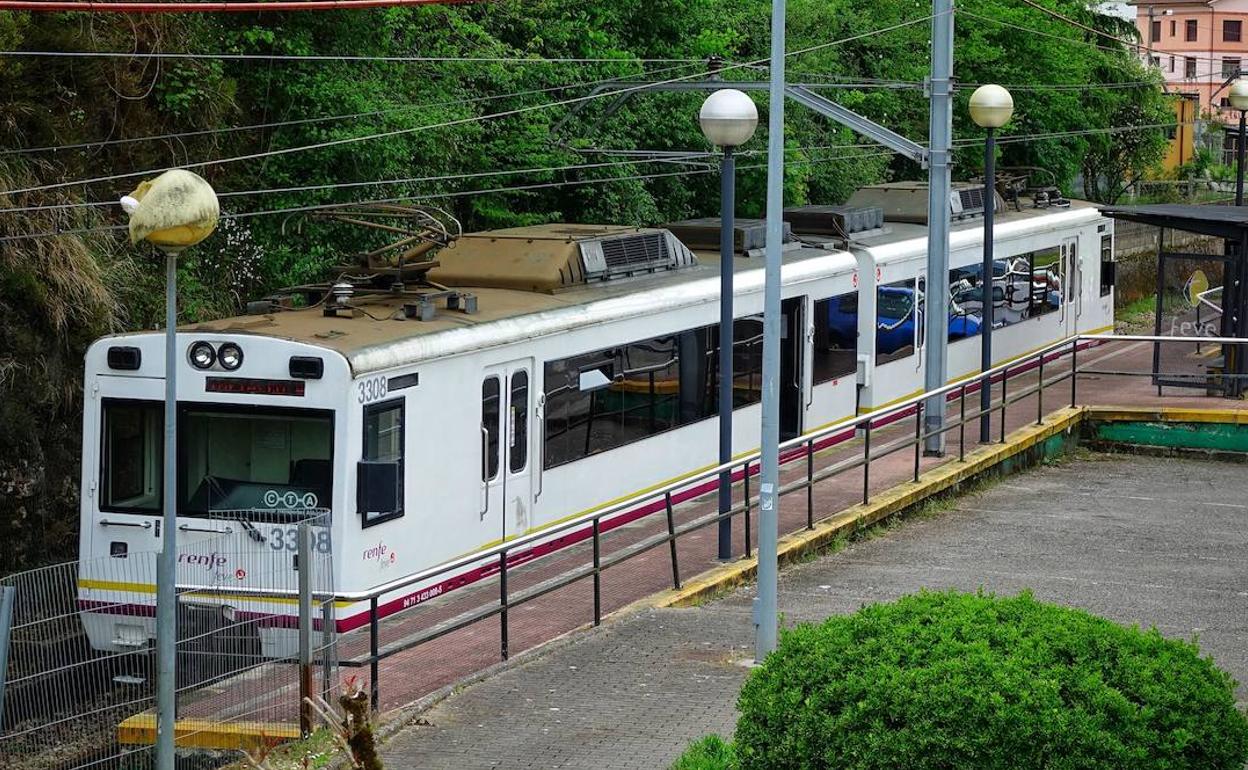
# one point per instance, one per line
(209, 561)
(380, 553)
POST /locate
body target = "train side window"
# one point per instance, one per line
(895, 318)
(490, 413)
(1046, 281)
(966, 301)
(836, 337)
(1107, 264)
(381, 472)
(609, 398)
(518, 423)
(132, 457)
(747, 363)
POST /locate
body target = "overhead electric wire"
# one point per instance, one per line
(222, 6)
(451, 123)
(263, 57)
(327, 118)
(444, 195)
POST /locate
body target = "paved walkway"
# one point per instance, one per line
(1141, 540)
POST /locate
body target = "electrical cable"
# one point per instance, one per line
(450, 123)
(446, 195)
(328, 118)
(260, 57)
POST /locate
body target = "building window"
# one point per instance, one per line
(1231, 30)
(836, 337)
(1230, 67)
(1155, 61)
(1189, 30)
(1156, 31)
(1172, 28)
(1225, 101)
(1189, 67)
(1172, 64)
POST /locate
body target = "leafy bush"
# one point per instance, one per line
(949, 680)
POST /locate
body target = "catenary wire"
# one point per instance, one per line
(445, 195)
(325, 119)
(450, 123)
(339, 58)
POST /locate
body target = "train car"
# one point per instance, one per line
(521, 378)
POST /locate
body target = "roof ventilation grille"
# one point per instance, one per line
(632, 254)
(968, 201)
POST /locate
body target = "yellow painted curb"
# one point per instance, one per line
(885, 504)
(1167, 414)
(206, 734)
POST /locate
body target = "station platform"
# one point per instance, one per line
(1154, 541)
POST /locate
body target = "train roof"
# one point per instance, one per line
(379, 336)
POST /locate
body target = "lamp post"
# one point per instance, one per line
(991, 107)
(1239, 100)
(728, 120)
(173, 212)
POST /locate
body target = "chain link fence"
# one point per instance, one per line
(78, 685)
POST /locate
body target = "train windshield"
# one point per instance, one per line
(243, 462)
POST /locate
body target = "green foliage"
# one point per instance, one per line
(709, 753)
(940, 680)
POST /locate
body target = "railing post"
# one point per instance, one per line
(597, 574)
(671, 540)
(1005, 398)
(304, 552)
(810, 484)
(1074, 370)
(918, 438)
(502, 597)
(962, 424)
(328, 649)
(866, 462)
(1040, 394)
(748, 545)
(374, 655)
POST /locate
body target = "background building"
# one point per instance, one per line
(1197, 45)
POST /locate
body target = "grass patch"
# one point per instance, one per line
(318, 750)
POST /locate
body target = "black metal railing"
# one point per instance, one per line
(800, 449)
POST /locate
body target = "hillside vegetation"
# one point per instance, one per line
(429, 120)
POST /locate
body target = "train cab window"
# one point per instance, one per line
(896, 321)
(132, 456)
(490, 413)
(255, 463)
(379, 486)
(836, 337)
(1107, 264)
(518, 423)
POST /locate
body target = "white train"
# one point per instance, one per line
(574, 366)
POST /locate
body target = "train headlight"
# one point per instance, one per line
(202, 355)
(230, 356)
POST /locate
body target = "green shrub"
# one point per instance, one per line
(949, 680)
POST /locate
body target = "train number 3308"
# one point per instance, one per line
(370, 390)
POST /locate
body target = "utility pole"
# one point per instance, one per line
(935, 310)
(768, 488)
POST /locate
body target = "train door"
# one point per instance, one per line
(1070, 281)
(506, 469)
(792, 352)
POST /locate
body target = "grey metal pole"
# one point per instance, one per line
(305, 552)
(167, 563)
(1239, 162)
(985, 327)
(768, 499)
(936, 314)
(8, 596)
(727, 198)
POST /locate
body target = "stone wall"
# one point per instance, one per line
(1135, 249)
